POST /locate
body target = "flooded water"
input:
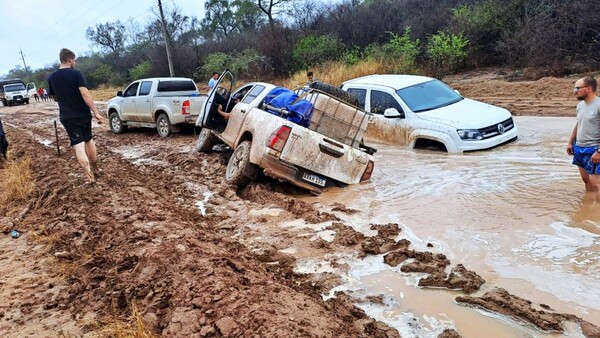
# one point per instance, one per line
(517, 215)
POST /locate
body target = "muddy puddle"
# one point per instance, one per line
(517, 215)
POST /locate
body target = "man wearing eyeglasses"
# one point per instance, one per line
(585, 138)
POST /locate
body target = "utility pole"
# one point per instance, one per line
(23, 58)
(167, 44)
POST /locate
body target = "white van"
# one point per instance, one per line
(433, 113)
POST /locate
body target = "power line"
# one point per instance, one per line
(79, 29)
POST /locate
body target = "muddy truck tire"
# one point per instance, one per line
(163, 125)
(206, 140)
(115, 123)
(239, 169)
(336, 92)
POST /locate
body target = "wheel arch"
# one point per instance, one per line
(421, 138)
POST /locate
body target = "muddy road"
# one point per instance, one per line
(162, 235)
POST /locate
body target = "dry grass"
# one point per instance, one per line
(135, 328)
(16, 181)
(335, 73)
(104, 92)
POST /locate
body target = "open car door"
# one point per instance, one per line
(220, 95)
(31, 90)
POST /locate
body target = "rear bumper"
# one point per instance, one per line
(190, 119)
(274, 168)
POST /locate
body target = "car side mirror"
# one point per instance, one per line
(120, 93)
(393, 113)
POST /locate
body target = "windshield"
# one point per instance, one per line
(428, 95)
(14, 87)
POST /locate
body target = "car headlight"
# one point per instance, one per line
(469, 134)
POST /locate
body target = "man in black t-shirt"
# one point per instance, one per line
(67, 87)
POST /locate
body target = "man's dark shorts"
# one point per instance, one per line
(79, 129)
(582, 157)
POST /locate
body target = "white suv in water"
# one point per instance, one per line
(432, 113)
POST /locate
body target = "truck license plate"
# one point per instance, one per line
(313, 179)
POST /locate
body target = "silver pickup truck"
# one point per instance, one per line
(161, 103)
(324, 150)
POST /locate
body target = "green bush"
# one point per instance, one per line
(215, 62)
(246, 63)
(96, 72)
(141, 70)
(399, 55)
(242, 64)
(446, 51)
(313, 50)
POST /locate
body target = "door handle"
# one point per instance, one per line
(329, 150)
(243, 110)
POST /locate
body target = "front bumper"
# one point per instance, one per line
(509, 136)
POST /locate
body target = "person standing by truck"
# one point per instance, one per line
(67, 87)
(40, 93)
(213, 80)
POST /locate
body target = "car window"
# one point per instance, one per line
(145, 88)
(175, 85)
(380, 101)
(428, 95)
(254, 92)
(361, 95)
(131, 90)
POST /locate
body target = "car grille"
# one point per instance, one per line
(493, 130)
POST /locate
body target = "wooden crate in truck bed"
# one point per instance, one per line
(336, 119)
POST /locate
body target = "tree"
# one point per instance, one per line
(109, 36)
(226, 17)
(271, 9)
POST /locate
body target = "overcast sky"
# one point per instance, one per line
(40, 28)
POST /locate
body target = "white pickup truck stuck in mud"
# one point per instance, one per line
(313, 141)
(433, 114)
(161, 103)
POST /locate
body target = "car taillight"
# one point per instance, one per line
(185, 108)
(367, 174)
(278, 138)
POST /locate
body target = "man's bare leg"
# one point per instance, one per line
(90, 149)
(586, 179)
(595, 183)
(84, 161)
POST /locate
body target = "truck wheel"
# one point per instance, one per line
(206, 140)
(336, 92)
(116, 125)
(163, 125)
(239, 169)
(27, 101)
(4, 103)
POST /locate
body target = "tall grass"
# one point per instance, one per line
(337, 72)
(16, 181)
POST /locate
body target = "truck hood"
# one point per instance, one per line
(467, 114)
(17, 92)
